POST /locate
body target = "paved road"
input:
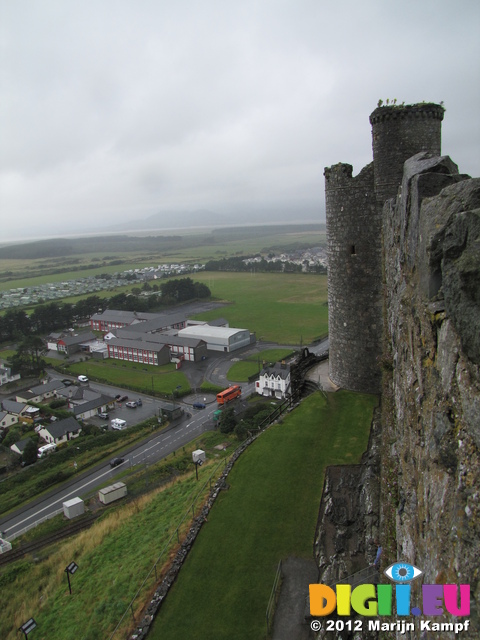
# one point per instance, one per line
(156, 448)
(193, 424)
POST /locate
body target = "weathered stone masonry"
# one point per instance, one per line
(354, 226)
(411, 333)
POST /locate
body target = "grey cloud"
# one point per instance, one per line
(117, 110)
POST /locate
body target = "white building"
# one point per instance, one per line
(224, 339)
(274, 381)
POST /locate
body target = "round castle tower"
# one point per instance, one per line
(354, 232)
(398, 133)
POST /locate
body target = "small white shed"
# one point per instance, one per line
(199, 456)
(73, 508)
(112, 493)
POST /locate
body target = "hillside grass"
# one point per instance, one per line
(268, 514)
(115, 555)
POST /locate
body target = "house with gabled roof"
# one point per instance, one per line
(274, 381)
(18, 447)
(6, 374)
(61, 431)
(7, 419)
(75, 343)
(91, 408)
(40, 392)
(17, 409)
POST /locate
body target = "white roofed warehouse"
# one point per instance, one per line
(224, 339)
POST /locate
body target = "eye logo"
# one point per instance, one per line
(402, 572)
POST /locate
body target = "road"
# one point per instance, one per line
(156, 448)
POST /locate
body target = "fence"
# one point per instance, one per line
(154, 571)
(273, 597)
(34, 524)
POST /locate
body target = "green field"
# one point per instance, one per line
(241, 371)
(279, 307)
(162, 380)
(65, 260)
(268, 514)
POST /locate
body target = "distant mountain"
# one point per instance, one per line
(173, 220)
(234, 216)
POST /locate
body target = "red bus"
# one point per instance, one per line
(229, 394)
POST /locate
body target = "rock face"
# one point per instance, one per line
(426, 441)
(432, 276)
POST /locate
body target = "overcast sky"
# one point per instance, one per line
(115, 110)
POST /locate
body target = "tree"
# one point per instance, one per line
(29, 455)
(227, 420)
(28, 358)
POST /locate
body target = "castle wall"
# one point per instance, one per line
(431, 434)
(354, 285)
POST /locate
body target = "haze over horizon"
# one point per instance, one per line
(111, 113)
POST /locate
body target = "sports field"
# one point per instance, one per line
(279, 307)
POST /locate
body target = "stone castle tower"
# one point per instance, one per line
(354, 209)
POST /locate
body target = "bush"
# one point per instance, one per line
(227, 420)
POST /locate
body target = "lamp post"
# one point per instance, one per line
(173, 394)
(70, 570)
(197, 464)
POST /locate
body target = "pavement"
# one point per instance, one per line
(289, 622)
(319, 374)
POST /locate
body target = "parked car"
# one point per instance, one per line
(131, 405)
(122, 398)
(82, 378)
(118, 424)
(118, 396)
(116, 461)
(67, 382)
(103, 415)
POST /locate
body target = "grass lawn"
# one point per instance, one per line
(241, 371)
(269, 513)
(138, 377)
(288, 308)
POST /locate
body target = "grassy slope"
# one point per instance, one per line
(113, 557)
(269, 513)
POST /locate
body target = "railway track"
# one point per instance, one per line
(36, 545)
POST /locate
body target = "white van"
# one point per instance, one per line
(46, 449)
(118, 424)
(82, 379)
